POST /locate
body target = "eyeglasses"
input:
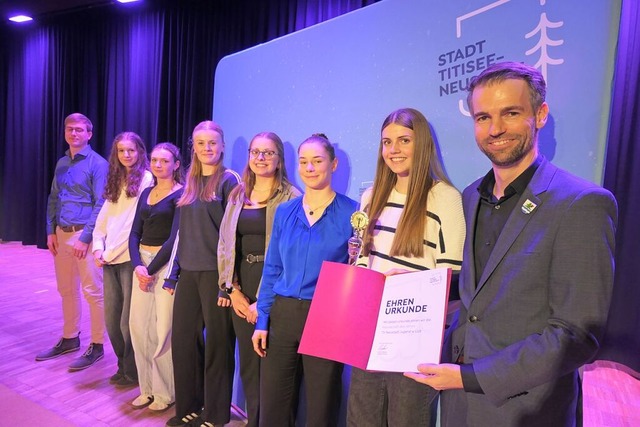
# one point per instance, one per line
(267, 154)
(71, 129)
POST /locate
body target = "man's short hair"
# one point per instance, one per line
(501, 71)
(79, 117)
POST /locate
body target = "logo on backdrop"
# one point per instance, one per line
(456, 67)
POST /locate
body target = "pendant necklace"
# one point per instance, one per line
(158, 192)
(325, 203)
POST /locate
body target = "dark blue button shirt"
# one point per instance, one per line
(297, 250)
(76, 192)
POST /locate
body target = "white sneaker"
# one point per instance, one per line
(142, 401)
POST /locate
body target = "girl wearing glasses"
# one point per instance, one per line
(245, 232)
(306, 231)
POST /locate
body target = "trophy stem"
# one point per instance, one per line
(355, 247)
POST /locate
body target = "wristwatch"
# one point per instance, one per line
(230, 289)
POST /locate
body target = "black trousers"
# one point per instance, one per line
(249, 368)
(281, 369)
(203, 365)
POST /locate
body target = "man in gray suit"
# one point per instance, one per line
(537, 270)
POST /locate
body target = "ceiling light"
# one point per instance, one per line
(20, 18)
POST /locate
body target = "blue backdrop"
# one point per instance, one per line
(343, 77)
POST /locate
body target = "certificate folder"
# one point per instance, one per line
(375, 322)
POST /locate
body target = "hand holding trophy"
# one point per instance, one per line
(359, 221)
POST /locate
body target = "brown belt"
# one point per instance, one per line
(71, 228)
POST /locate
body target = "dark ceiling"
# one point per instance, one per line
(42, 8)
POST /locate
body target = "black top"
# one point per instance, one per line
(198, 231)
(154, 225)
(493, 213)
(251, 231)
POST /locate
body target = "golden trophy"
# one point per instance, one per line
(359, 221)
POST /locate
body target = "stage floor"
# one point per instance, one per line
(30, 321)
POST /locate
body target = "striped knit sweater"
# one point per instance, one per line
(443, 235)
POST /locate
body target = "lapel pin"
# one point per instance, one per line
(528, 207)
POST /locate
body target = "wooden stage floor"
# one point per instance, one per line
(30, 321)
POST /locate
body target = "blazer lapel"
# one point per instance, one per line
(468, 284)
(526, 209)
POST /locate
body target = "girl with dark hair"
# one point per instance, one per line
(306, 231)
(416, 223)
(203, 365)
(128, 176)
(152, 236)
(244, 237)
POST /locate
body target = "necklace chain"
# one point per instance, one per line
(325, 203)
(156, 192)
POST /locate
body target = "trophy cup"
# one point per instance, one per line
(359, 221)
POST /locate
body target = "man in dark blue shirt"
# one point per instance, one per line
(72, 208)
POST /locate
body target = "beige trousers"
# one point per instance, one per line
(73, 274)
(150, 325)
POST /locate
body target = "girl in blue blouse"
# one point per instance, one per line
(306, 231)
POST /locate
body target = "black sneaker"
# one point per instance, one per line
(115, 378)
(94, 353)
(189, 419)
(65, 345)
(126, 381)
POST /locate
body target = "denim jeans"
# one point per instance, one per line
(118, 280)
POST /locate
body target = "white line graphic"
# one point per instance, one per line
(473, 13)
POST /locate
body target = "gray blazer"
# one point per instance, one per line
(539, 310)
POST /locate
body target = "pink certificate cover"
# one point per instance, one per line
(343, 314)
(343, 323)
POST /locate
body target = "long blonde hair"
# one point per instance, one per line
(426, 170)
(195, 187)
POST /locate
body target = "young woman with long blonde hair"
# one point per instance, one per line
(203, 365)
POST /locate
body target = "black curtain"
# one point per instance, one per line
(622, 177)
(147, 68)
